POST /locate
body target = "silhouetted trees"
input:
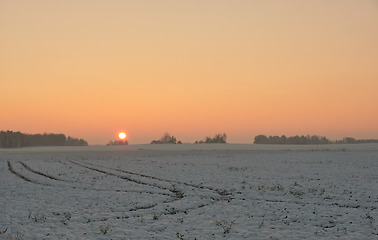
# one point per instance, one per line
(118, 142)
(75, 142)
(167, 138)
(262, 139)
(10, 139)
(353, 140)
(219, 138)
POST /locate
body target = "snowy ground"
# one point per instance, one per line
(189, 191)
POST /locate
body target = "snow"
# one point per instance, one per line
(190, 191)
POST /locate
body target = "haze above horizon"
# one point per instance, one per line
(92, 69)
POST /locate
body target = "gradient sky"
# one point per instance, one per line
(91, 68)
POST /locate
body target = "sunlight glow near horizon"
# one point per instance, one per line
(122, 135)
(191, 68)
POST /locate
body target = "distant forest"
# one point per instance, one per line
(353, 140)
(166, 138)
(301, 140)
(10, 139)
(219, 138)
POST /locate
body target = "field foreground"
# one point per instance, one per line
(229, 191)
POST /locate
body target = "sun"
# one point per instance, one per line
(122, 135)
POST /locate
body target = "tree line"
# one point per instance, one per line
(218, 138)
(10, 139)
(301, 140)
(166, 138)
(262, 139)
(353, 140)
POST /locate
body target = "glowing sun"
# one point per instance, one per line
(122, 135)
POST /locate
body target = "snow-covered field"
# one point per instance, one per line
(188, 191)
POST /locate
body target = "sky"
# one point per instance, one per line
(90, 69)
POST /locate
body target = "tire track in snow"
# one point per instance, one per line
(176, 194)
(40, 173)
(220, 192)
(73, 187)
(179, 195)
(11, 169)
(17, 174)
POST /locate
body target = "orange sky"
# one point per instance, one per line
(193, 68)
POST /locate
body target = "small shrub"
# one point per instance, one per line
(16, 236)
(65, 218)
(3, 231)
(37, 217)
(277, 187)
(104, 229)
(225, 225)
(180, 236)
(296, 192)
(155, 217)
(261, 224)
